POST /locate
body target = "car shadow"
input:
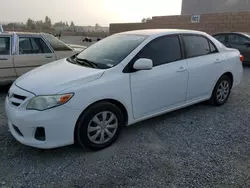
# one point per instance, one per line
(76, 149)
(167, 116)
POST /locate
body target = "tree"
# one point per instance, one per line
(97, 25)
(144, 20)
(67, 24)
(148, 19)
(59, 24)
(72, 24)
(47, 23)
(30, 24)
(39, 24)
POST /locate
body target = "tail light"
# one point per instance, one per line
(241, 58)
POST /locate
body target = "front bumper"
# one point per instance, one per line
(58, 125)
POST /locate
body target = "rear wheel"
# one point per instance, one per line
(221, 91)
(99, 126)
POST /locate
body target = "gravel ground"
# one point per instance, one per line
(199, 146)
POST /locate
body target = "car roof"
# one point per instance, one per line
(234, 32)
(153, 32)
(23, 33)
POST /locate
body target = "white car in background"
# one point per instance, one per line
(123, 79)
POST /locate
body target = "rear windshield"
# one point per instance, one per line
(56, 44)
(248, 34)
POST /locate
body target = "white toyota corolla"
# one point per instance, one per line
(122, 79)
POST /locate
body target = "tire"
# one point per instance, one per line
(219, 88)
(87, 127)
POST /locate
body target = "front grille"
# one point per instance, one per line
(15, 99)
(19, 97)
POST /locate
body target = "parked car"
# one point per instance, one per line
(237, 40)
(21, 52)
(123, 79)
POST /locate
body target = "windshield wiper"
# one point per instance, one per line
(87, 62)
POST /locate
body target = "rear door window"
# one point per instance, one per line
(32, 45)
(4, 45)
(25, 46)
(196, 45)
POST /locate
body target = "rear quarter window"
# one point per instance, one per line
(57, 44)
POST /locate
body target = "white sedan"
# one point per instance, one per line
(123, 79)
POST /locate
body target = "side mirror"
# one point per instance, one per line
(143, 64)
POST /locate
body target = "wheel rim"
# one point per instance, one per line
(223, 91)
(102, 127)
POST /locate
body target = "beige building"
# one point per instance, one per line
(213, 6)
(91, 29)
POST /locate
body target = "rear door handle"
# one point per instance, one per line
(181, 69)
(3, 58)
(48, 57)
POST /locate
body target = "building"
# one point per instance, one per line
(211, 16)
(91, 29)
(213, 6)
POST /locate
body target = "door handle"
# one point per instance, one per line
(181, 69)
(48, 57)
(3, 58)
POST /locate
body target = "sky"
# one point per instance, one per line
(87, 12)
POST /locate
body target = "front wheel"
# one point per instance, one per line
(99, 126)
(221, 91)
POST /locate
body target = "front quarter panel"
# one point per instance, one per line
(112, 85)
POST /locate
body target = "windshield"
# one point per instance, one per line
(112, 50)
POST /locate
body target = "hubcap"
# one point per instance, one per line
(102, 127)
(222, 91)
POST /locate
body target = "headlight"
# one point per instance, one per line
(45, 102)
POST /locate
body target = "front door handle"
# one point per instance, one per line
(3, 58)
(181, 69)
(48, 57)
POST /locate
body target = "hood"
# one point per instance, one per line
(57, 76)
